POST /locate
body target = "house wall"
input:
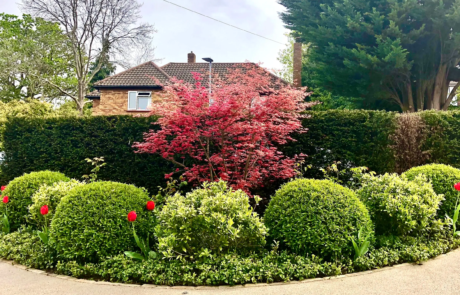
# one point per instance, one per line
(115, 102)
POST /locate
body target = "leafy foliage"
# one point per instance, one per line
(20, 191)
(268, 267)
(24, 247)
(90, 223)
(27, 109)
(316, 217)
(442, 178)
(354, 138)
(63, 144)
(50, 195)
(236, 138)
(33, 54)
(409, 139)
(399, 52)
(211, 220)
(398, 206)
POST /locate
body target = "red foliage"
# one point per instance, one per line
(236, 137)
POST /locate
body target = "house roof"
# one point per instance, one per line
(95, 94)
(142, 75)
(183, 71)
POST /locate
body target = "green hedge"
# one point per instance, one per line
(355, 138)
(63, 144)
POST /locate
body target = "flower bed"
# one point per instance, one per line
(212, 236)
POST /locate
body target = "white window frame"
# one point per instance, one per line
(137, 100)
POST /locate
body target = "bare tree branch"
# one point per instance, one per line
(96, 30)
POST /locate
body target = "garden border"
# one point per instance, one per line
(306, 281)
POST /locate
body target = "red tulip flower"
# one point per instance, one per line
(132, 216)
(457, 186)
(3, 188)
(44, 210)
(6, 199)
(150, 205)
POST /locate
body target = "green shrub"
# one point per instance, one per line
(91, 223)
(266, 267)
(442, 179)
(398, 206)
(24, 247)
(50, 195)
(316, 217)
(63, 143)
(20, 191)
(353, 137)
(213, 218)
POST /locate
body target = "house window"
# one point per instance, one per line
(139, 101)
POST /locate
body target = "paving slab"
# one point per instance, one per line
(437, 276)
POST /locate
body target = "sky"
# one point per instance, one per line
(180, 31)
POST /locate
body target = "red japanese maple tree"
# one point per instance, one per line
(235, 137)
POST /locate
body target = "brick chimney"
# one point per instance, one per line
(191, 58)
(297, 63)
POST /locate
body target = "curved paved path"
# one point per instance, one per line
(438, 276)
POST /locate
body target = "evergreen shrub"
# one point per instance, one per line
(317, 217)
(90, 222)
(20, 192)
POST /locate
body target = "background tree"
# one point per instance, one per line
(96, 30)
(107, 69)
(327, 99)
(236, 138)
(402, 51)
(33, 51)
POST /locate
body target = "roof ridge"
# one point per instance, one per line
(160, 69)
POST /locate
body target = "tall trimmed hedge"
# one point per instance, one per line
(353, 137)
(63, 144)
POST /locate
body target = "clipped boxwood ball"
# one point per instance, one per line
(20, 191)
(317, 217)
(91, 221)
(443, 178)
(51, 196)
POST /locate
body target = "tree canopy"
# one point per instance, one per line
(405, 52)
(32, 52)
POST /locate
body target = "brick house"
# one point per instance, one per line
(132, 91)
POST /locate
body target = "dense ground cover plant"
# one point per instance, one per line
(91, 223)
(442, 178)
(49, 195)
(267, 267)
(24, 247)
(20, 191)
(317, 217)
(398, 206)
(232, 134)
(210, 220)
